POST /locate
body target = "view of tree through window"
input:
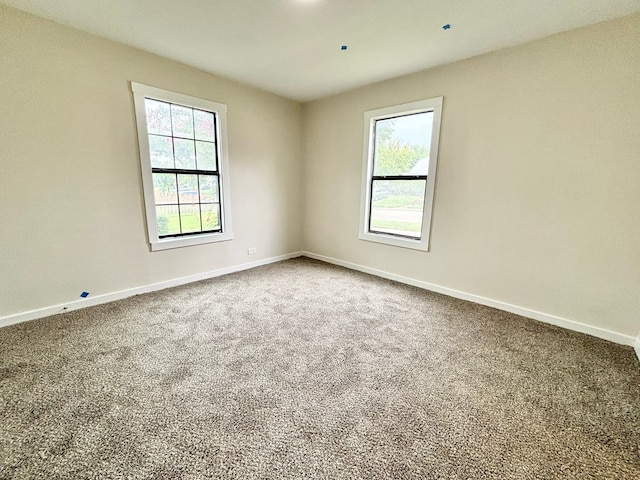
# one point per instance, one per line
(400, 169)
(184, 165)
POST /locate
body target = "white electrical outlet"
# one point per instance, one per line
(252, 251)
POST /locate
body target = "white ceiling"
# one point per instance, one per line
(292, 47)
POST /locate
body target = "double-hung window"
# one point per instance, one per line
(185, 175)
(398, 180)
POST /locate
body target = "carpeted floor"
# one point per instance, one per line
(305, 370)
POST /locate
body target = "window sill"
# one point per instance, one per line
(178, 242)
(395, 241)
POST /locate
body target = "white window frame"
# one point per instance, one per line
(140, 92)
(370, 117)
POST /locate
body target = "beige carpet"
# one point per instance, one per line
(305, 370)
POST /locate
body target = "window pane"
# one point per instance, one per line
(164, 188)
(206, 152)
(190, 218)
(158, 117)
(209, 189)
(402, 145)
(161, 151)
(168, 220)
(185, 153)
(188, 188)
(210, 216)
(204, 125)
(396, 206)
(182, 121)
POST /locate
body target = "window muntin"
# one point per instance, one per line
(398, 174)
(182, 150)
(183, 155)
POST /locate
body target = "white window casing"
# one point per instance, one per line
(162, 242)
(420, 239)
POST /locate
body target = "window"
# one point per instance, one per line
(400, 155)
(185, 175)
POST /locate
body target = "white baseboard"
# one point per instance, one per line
(110, 297)
(525, 312)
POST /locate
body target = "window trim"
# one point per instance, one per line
(140, 92)
(370, 117)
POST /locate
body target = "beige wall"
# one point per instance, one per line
(537, 200)
(71, 206)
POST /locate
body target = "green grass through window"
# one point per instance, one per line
(395, 225)
(170, 224)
